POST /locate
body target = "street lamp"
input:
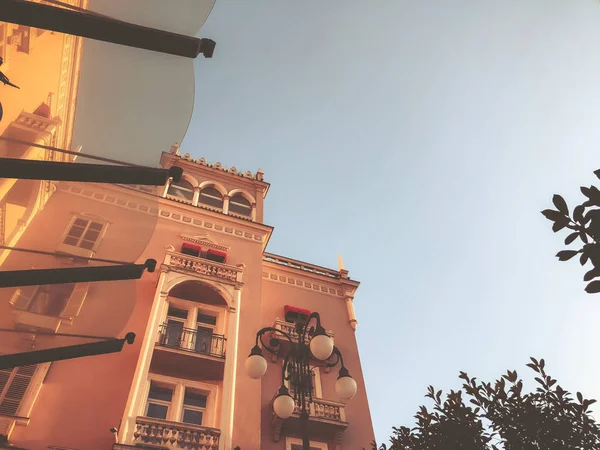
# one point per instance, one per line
(309, 342)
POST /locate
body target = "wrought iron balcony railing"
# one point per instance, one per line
(191, 340)
(175, 435)
(202, 266)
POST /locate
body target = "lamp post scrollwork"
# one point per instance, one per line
(312, 342)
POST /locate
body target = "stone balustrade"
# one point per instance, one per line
(324, 409)
(175, 435)
(203, 266)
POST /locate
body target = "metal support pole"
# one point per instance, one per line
(103, 28)
(26, 169)
(34, 277)
(68, 352)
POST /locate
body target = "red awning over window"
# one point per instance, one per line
(293, 309)
(215, 255)
(190, 249)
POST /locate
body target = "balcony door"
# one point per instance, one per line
(205, 328)
(174, 334)
(193, 327)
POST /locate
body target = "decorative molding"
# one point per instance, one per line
(302, 284)
(142, 207)
(206, 241)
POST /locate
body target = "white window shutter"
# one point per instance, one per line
(13, 387)
(76, 300)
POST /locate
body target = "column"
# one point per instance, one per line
(167, 186)
(196, 196)
(159, 306)
(228, 402)
(226, 204)
(253, 212)
(351, 315)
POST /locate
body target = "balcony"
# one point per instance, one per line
(172, 435)
(204, 268)
(183, 352)
(326, 419)
(192, 341)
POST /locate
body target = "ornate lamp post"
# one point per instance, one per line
(297, 371)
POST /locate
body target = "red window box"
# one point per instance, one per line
(191, 249)
(216, 256)
(293, 314)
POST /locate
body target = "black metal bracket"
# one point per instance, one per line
(102, 28)
(69, 352)
(34, 277)
(91, 173)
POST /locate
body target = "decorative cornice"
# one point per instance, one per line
(321, 287)
(205, 241)
(174, 152)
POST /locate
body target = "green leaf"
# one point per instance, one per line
(570, 238)
(583, 258)
(565, 255)
(580, 397)
(583, 237)
(593, 287)
(560, 204)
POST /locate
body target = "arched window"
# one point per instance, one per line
(238, 204)
(211, 197)
(182, 189)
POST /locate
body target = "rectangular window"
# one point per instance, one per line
(84, 233)
(194, 406)
(13, 387)
(50, 300)
(159, 401)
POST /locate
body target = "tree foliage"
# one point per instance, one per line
(500, 416)
(583, 225)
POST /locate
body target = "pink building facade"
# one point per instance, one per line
(182, 384)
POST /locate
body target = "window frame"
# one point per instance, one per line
(149, 400)
(239, 205)
(292, 441)
(208, 205)
(174, 185)
(318, 393)
(76, 249)
(31, 393)
(175, 412)
(191, 323)
(192, 407)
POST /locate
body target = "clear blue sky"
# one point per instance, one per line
(420, 139)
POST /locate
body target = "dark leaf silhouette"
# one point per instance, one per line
(585, 225)
(590, 275)
(553, 215)
(593, 287)
(560, 204)
(504, 417)
(570, 238)
(565, 255)
(578, 213)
